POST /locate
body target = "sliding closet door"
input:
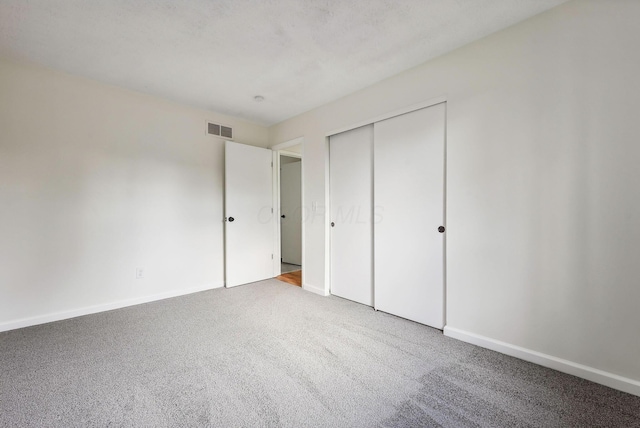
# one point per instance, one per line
(409, 201)
(351, 180)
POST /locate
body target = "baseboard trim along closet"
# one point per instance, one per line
(314, 289)
(585, 372)
(88, 310)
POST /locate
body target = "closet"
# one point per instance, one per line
(387, 196)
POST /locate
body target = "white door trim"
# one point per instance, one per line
(280, 149)
(287, 144)
(290, 154)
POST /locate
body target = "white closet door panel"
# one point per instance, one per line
(351, 180)
(249, 227)
(409, 205)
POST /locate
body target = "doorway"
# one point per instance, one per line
(290, 213)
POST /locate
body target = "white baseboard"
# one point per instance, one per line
(314, 289)
(73, 313)
(595, 375)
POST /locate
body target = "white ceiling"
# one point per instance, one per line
(219, 54)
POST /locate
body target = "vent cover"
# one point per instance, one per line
(226, 132)
(219, 130)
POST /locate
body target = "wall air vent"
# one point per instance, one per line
(226, 132)
(219, 130)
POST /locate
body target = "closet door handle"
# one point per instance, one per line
(441, 229)
(332, 224)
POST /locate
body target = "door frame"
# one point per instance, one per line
(281, 149)
(327, 228)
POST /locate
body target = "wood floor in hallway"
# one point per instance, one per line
(294, 278)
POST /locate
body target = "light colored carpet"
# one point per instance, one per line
(270, 354)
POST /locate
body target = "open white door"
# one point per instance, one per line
(249, 239)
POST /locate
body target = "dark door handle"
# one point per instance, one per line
(231, 218)
(332, 224)
(282, 216)
(441, 229)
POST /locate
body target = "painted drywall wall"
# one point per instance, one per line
(96, 181)
(543, 209)
(295, 149)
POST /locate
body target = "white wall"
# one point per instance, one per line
(295, 149)
(96, 181)
(543, 188)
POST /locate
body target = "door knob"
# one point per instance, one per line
(231, 218)
(332, 224)
(282, 216)
(441, 229)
